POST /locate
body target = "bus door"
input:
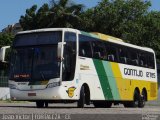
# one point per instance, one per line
(69, 57)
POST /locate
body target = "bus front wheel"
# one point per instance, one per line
(40, 104)
(102, 104)
(81, 101)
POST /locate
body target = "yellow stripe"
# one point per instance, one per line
(121, 84)
(106, 37)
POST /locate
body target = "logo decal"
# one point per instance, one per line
(70, 91)
(84, 67)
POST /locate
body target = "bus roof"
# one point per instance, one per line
(47, 30)
(92, 34)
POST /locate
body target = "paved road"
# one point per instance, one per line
(115, 113)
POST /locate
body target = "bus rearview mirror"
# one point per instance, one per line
(59, 50)
(4, 53)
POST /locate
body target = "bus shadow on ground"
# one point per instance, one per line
(57, 106)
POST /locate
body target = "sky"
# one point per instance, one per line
(11, 10)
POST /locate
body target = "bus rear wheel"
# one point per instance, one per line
(135, 101)
(142, 99)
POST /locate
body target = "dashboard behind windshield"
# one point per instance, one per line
(34, 57)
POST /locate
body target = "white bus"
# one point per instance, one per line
(68, 65)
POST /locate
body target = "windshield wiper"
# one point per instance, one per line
(42, 75)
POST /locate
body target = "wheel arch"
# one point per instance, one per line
(137, 89)
(87, 91)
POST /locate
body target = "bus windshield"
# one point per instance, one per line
(34, 62)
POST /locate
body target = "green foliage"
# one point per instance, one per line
(62, 13)
(6, 39)
(118, 17)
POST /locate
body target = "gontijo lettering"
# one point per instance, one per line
(138, 73)
(133, 72)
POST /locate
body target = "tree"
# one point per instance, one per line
(6, 39)
(62, 13)
(117, 17)
(151, 32)
(29, 21)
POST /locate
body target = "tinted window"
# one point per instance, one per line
(142, 59)
(99, 51)
(104, 50)
(85, 46)
(125, 55)
(69, 54)
(37, 38)
(34, 63)
(134, 56)
(111, 51)
(150, 61)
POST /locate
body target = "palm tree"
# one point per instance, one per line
(28, 21)
(66, 13)
(61, 13)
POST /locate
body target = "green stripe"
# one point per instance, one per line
(111, 79)
(103, 79)
(89, 34)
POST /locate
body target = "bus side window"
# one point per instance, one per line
(134, 57)
(150, 61)
(142, 60)
(84, 46)
(111, 57)
(122, 56)
(111, 53)
(98, 50)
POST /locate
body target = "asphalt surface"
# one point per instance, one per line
(70, 111)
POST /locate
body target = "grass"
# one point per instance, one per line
(10, 101)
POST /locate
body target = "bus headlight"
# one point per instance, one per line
(54, 84)
(12, 86)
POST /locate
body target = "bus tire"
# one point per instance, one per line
(40, 104)
(134, 103)
(108, 104)
(102, 104)
(142, 99)
(81, 101)
(46, 104)
(98, 104)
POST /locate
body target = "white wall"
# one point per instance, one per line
(4, 93)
